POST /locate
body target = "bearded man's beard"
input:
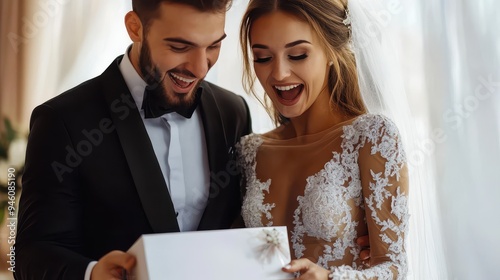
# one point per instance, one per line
(156, 80)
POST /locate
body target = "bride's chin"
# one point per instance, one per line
(290, 115)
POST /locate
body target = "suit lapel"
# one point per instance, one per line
(139, 152)
(217, 148)
(215, 134)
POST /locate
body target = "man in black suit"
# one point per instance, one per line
(146, 147)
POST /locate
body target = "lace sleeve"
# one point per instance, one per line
(384, 180)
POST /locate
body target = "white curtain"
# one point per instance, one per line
(450, 51)
(10, 57)
(450, 55)
(67, 43)
(402, 94)
(462, 79)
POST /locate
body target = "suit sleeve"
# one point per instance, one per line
(50, 231)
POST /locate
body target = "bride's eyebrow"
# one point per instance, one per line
(289, 45)
(259, 46)
(295, 43)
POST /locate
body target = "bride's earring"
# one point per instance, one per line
(330, 63)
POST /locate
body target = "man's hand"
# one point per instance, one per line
(113, 266)
(364, 255)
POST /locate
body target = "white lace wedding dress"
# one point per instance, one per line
(330, 188)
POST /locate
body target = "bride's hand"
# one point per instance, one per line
(308, 270)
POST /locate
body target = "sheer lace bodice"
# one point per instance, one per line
(330, 188)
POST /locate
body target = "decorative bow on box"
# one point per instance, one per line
(274, 245)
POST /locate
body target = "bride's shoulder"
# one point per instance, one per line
(246, 149)
(371, 126)
(253, 141)
(249, 140)
(373, 122)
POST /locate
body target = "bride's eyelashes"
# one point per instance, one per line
(298, 57)
(262, 60)
(291, 57)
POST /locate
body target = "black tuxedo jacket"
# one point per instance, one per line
(92, 183)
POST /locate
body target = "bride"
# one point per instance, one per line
(330, 171)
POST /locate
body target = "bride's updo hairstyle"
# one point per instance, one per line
(326, 17)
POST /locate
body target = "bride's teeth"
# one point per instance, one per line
(182, 79)
(283, 88)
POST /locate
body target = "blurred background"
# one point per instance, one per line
(449, 53)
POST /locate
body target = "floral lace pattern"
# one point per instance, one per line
(253, 211)
(324, 211)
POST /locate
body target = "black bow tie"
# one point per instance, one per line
(155, 105)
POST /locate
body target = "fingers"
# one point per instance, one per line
(365, 258)
(308, 270)
(118, 259)
(112, 266)
(363, 241)
(298, 265)
(364, 255)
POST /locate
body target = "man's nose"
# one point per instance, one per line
(199, 63)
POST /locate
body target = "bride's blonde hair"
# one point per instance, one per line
(326, 18)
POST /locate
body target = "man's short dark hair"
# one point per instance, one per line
(148, 9)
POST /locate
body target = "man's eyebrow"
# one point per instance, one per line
(220, 39)
(186, 42)
(289, 45)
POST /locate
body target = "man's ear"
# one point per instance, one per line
(134, 27)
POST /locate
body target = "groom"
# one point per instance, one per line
(146, 147)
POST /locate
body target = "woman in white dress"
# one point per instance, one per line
(330, 171)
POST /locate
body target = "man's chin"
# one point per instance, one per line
(183, 99)
(187, 98)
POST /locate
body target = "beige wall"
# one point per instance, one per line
(11, 61)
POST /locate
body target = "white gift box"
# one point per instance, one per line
(244, 254)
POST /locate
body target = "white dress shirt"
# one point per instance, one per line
(180, 148)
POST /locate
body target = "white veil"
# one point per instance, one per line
(377, 61)
(382, 88)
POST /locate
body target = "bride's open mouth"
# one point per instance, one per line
(289, 94)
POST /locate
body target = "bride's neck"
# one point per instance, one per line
(319, 117)
(314, 122)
